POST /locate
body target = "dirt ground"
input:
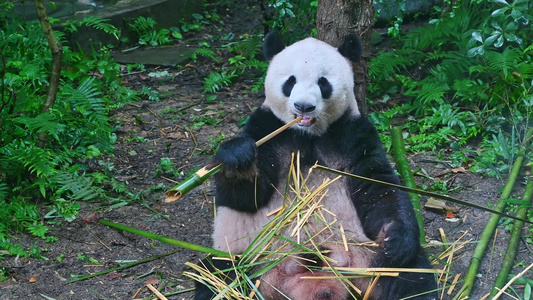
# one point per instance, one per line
(171, 129)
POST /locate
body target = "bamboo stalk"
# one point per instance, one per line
(477, 256)
(512, 247)
(406, 174)
(166, 240)
(420, 192)
(156, 292)
(122, 267)
(204, 173)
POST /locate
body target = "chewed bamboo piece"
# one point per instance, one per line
(204, 173)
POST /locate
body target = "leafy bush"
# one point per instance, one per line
(77, 128)
(149, 34)
(464, 75)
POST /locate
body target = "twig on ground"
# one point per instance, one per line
(505, 287)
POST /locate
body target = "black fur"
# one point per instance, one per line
(354, 141)
(250, 174)
(272, 45)
(352, 48)
(325, 87)
(286, 88)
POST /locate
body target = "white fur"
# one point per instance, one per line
(234, 231)
(307, 61)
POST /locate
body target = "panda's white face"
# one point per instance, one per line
(313, 80)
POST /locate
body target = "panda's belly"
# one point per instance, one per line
(234, 231)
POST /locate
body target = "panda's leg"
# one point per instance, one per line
(203, 292)
(408, 284)
(423, 284)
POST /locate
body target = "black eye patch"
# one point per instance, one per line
(288, 85)
(325, 87)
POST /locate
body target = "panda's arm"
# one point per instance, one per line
(246, 180)
(386, 213)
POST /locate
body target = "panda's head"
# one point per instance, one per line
(310, 79)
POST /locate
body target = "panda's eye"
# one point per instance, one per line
(325, 87)
(288, 85)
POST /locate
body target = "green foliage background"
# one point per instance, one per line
(464, 77)
(462, 82)
(78, 127)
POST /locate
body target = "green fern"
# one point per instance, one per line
(78, 187)
(4, 190)
(148, 33)
(387, 64)
(142, 24)
(247, 48)
(86, 101)
(42, 162)
(505, 61)
(428, 91)
(215, 81)
(207, 53)
(45, 122)
(101, 24)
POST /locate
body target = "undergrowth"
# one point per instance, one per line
(64, 168)
(462, 78)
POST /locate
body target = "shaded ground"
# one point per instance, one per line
(183, 127)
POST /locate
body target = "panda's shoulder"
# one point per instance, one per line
(355, 126)
(261, 122)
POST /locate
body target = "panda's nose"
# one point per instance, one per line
(304, 107)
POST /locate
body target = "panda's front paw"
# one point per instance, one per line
(400, 243)
(237, 157)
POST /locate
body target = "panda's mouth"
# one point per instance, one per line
(305, 121)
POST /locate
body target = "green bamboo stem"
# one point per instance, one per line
(406, 174)
(204, 173)
(492, 223)
(166, 240)
(420, 192)
(512, 247)
(122, 267)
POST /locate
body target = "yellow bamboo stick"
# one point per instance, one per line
(204, 173)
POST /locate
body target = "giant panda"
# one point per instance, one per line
(313, 80)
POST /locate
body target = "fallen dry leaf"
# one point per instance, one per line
(459, 170)
(152, 281)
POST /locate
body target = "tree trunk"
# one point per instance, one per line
(57, 57)
(335, 19)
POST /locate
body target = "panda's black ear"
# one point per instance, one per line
(352, 48)
(272, 45)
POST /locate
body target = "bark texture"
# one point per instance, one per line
(57, 59)
(335, 19)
